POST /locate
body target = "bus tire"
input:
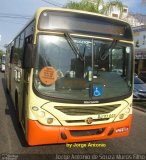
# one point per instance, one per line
(7, 90)
(19, 125)
(6, 86)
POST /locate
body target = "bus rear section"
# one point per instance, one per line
(76, 81)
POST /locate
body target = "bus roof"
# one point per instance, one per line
(87, 22)
(41, 9)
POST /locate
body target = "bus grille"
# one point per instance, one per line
(78, 133)
(83, 121)
(86, 110)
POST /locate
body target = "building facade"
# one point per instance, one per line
(139, 33)
(138, 23)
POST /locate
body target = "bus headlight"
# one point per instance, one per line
(123, 114)
(127, 110)
(41, 114)
(44, 117)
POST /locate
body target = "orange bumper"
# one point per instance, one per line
(39, 134)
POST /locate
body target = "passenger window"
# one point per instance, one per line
(21, 49)
(16, 51)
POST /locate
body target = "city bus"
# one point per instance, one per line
(70, 76)
(3, 62)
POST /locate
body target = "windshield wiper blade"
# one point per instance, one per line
(73, 46)
(105, 48)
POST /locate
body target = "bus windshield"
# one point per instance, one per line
(83, 68)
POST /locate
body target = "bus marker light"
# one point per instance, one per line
(45, 14)
(123, 129)
(50, 120)
(35, 108)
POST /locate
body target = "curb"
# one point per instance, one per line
(139, 108)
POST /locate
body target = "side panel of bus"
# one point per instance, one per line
(8, 67)
(17, 77)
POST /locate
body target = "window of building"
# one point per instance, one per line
(125, 10)
(115, 15)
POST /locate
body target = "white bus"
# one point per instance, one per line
(70, 76)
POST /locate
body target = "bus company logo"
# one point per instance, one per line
(91, 102)
(89, 120)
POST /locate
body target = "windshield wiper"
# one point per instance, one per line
(104, 52)
(73, 46)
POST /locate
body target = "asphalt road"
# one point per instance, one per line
(12, 141)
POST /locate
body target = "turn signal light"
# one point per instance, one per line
(121, 116)
(50, 120)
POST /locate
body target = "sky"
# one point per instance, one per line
(9, 27)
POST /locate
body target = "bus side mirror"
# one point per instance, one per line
(28, 60)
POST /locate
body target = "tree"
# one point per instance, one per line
(1, 53)
(110, 5)
(97, 6)
(85, 5)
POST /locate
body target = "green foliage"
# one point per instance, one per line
(84, 5)
(1, 53)
(87, 5)
(109, 5)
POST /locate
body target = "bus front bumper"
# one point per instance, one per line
(38, 134)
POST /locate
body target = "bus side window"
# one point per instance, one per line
(27, 40)
(18, 50)
(11, 53)
(21, 49)
(16, 53)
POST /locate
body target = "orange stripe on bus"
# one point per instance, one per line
(40, 134)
